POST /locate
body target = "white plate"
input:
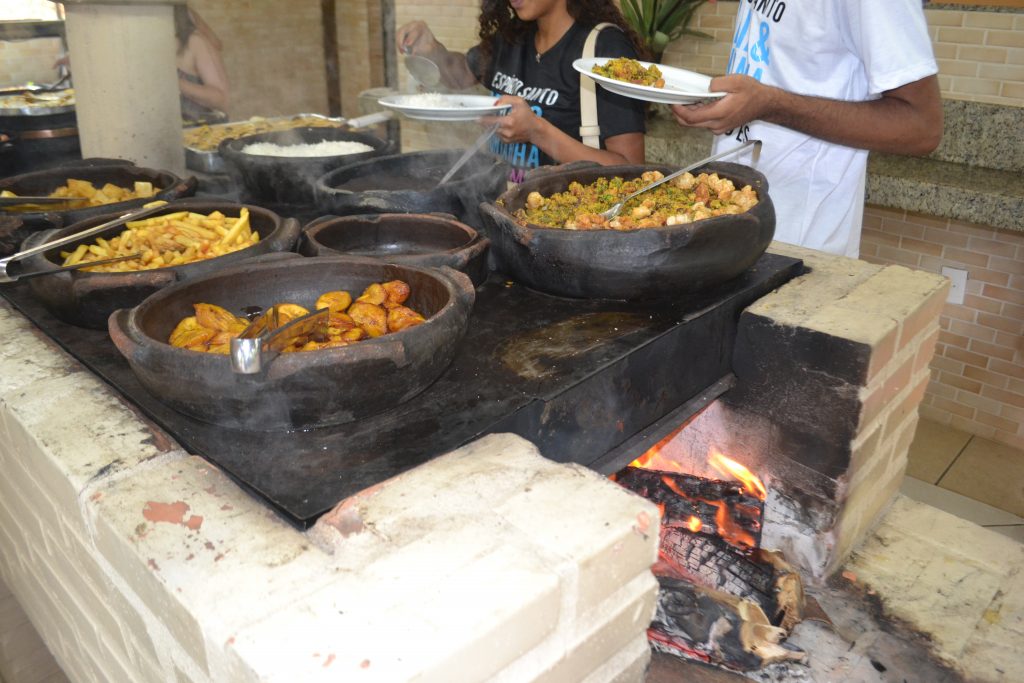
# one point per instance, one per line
(681, 86)
(451, 108)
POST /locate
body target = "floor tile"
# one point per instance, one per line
(963, 507)
(990, 472)
(934, 448)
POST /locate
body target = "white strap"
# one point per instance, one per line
(590, 130)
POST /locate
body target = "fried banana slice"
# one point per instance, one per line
(338, 301)
(371, 318)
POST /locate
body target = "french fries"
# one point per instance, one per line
(172, 239)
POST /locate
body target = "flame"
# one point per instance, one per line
(694, 524)
(751, 483)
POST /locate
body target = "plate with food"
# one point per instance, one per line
(444, 107)
(647, 81)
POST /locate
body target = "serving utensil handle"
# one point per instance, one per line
(131, 215)
(756, 144)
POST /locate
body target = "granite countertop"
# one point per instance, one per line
(974, 176)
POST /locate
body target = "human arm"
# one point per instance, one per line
(205, 30)
(415, 38)
(521, 124)
(213, 91)
(904, 120)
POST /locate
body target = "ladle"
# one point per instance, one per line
(424, 71)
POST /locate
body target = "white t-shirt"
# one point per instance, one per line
(839, 49)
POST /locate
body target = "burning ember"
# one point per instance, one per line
(717, 585)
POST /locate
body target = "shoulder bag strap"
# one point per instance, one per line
(590, 131)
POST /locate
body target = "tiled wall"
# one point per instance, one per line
(978, 371)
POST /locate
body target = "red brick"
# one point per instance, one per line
(972, 229)
(965, 258)
(960, 383)
(1011, 413)
(1004, 294)
(926, 351)
(972, 426)
(959, 312)
(943, 236)
(988, 275)
(980, 303)
(878, 237)
(954, 339)
(1004, 396)
(967, 357)
(992, 247)
(973, 332)
(995, 421)
(1010, 341)
(979, 403)
(920, 319)
(1017, 282)
(921, 246)
(867, 249)
(900, 256)
(992, 350)
(953, 407)
(947, 364)
(1015, 370)
(902, 228)
(997, 322)
(994, 379)
(1005, 265)
(1013, 311)
(940, 390)
(926, 220)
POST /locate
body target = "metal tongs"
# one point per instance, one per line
(265, 338)
(28, 201)
(130, 216)
(617, 207)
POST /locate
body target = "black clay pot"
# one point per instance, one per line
(630, 265)
(99, 172)
(304, 389)
(422, 240)
(290, 180)
(407, 183)
(87, 299)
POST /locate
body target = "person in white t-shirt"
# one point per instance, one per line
(820, 83)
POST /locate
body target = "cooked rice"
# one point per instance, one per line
(327, 148)
(430, 100)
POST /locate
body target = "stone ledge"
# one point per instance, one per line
(928, 185)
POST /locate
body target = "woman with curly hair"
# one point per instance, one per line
(525, 57)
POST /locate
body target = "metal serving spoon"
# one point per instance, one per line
(424, 71)
(470, 151)
(617, 207)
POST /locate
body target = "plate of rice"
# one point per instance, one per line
(443, 107)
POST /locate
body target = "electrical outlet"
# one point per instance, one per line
(957, 284)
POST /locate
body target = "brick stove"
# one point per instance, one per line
(147, 563)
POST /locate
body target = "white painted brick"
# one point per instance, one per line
(239, 565)
(34, 359)
(629, 665)
(487, 611)
(608, 532)
(618, 621)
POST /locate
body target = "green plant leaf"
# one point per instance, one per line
(665, 12)
(632, 13)
(649, 13)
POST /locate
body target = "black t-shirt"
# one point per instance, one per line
(552, 87)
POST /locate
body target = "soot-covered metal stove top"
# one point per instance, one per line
(586, 381)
